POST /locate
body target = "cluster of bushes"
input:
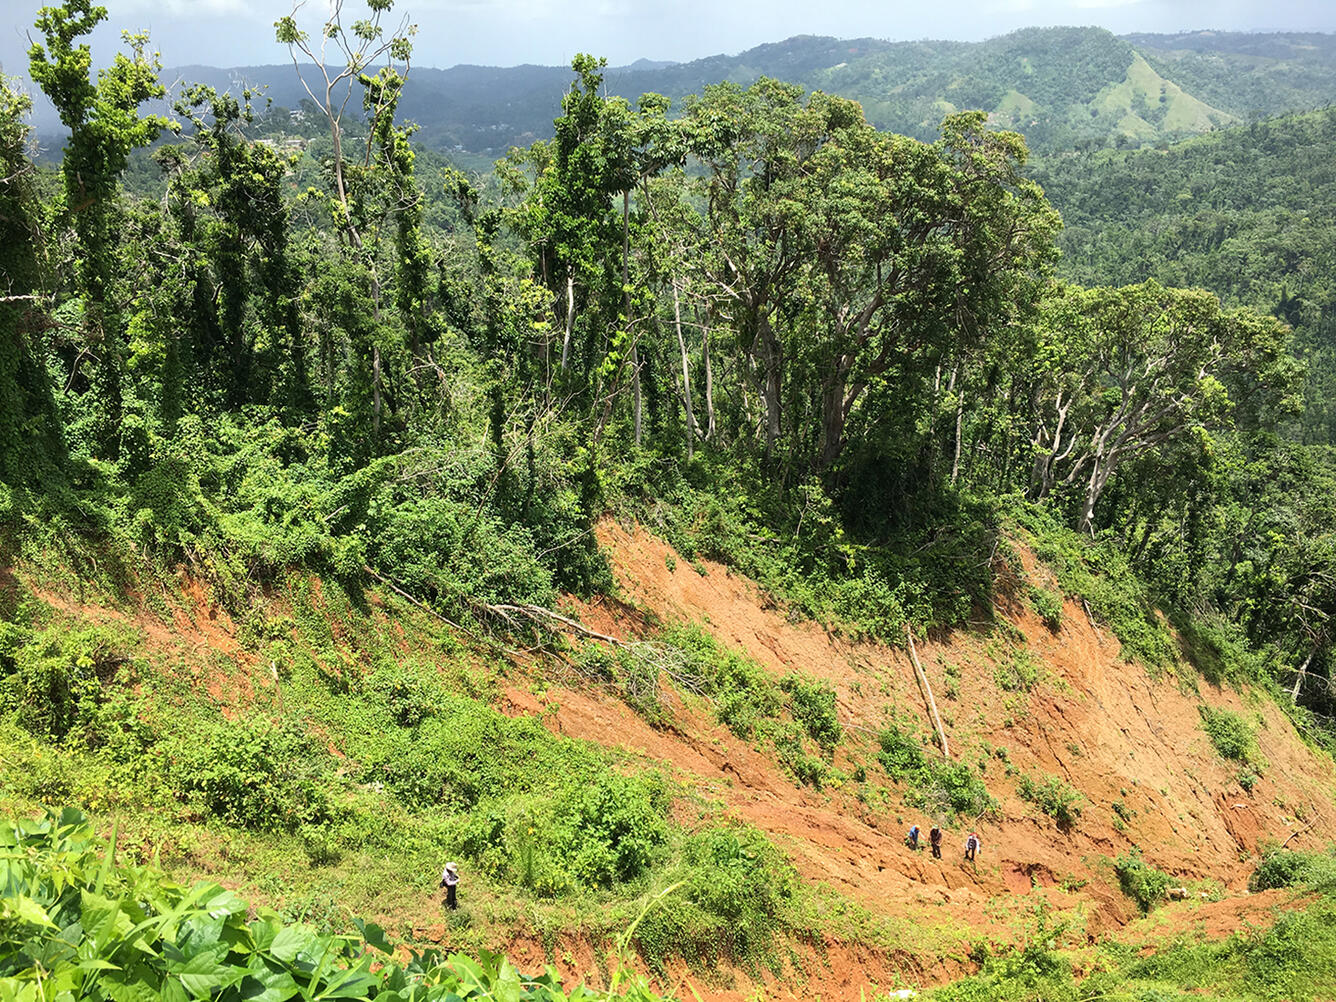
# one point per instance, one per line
(1140, 881)
(737, 897)
(54, 679)
(1055, 797)
(252, 774)
(796, 716)
(1102, 574)
(1232, 736)
(1294, 868)
(938, 786)
(77, 917)
(824, 562)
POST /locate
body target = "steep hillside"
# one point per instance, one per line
(1246, 213)
(1025, 707)
(1247, 74)
(1060, 86)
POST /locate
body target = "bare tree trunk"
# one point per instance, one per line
(570, 318)
(960, 420)
(686, 373)
(1303, 670)
(927, 692)
(772, 360)
(626, 309)
(375, 388)
(709, 383)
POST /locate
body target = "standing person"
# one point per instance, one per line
(450, 881)
(972, 845)
(935, 840)
(912, 838)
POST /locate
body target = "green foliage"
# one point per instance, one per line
(77, 920)
(253, 775)
(738, 896)
(1033, 969)
(1019, 672)
(1232, 736)
(1101, 574)
(753, 706)
(1055, 797)
(1140, 881)
(1047, 606)
(1295, 868)
(938, 786)
(613, 828)
(55, 679)
(812, 704)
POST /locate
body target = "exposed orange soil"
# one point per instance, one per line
(1103, 725)
(200, 639)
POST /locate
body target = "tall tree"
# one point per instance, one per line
(1125, 371)
(105, 126)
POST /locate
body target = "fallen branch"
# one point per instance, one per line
(537, 614)
(409, 598)
(927, 691)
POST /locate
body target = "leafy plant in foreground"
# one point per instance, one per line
(76, 923)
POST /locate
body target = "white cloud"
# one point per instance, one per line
(187, 8)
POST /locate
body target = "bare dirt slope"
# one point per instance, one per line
(1099, 723)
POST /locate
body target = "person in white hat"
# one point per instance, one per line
(450, 880)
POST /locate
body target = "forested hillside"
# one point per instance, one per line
(606, 525)
(1062, 87)
(1247, 213)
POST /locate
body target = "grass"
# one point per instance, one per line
(1293, 958)
(360, 749)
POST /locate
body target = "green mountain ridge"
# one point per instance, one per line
(1061, 87)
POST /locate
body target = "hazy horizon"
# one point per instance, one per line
(225, 33)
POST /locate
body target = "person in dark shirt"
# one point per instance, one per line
(450, 881)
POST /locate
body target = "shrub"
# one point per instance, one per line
(1047, 606)
(1054, 797)
(1140, 881)
(1293, 868)
(812, 704)
(938, 786)
(1231, 735)
(612, 829)
(53, 680)
(1018, 674)
(737, 897)
(1102, 574)
(253, 775)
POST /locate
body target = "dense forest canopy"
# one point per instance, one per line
(835, 356)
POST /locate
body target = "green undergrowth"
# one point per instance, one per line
(1140, 881)
(942, 788)
(77, 921)
(352, 746)
(928, 570)
(1055, 797)
(1292, 958)
(1102, 575)
(1295, 868)
(794, 716)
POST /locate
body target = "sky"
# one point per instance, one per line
(550, 32)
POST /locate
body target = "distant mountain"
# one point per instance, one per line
(1249, 75)
(1065, 88)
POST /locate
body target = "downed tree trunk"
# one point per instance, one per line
(927, 692)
